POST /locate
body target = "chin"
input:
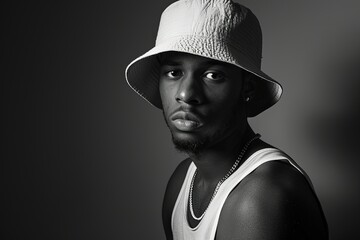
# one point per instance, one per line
(191, 145)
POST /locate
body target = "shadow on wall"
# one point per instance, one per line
(335, 130)
(339, 128)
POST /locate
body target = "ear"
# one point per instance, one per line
(248, 87)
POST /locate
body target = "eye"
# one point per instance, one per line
(173, 74)
(214, 76)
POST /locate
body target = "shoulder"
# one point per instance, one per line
(171, 193)
(273, 202)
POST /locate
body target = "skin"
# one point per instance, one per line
(273, 202)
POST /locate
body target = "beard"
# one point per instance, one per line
(189, 146)
(197, 145)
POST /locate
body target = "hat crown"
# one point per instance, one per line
(217, 19)
(215, 29)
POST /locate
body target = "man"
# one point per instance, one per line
(204, 73)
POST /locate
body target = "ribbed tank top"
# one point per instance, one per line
(206, 229)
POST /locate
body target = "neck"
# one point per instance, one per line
(214, 162)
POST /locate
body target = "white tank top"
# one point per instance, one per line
(206, 228)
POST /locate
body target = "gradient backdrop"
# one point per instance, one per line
(86, 158)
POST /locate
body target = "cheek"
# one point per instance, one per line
(226, 98)
(163, 92)
(166, 95)
(227, 104)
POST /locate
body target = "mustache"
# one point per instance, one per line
(186, 113)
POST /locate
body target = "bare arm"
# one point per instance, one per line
(274, 202)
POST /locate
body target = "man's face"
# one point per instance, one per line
(202, 100)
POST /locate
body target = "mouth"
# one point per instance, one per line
(186, 121)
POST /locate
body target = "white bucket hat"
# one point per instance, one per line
(215, 29)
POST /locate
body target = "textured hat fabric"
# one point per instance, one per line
(217, 29)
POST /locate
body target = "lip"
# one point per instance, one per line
(186, 121)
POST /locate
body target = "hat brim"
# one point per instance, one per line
(142, 74)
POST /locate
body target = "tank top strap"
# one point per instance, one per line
(179, 224)
(260, 157)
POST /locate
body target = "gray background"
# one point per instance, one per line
(85, 158)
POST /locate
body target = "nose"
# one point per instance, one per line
(190, 91)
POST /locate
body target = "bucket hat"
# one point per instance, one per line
(217, 29)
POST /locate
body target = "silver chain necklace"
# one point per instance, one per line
(236, 163)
